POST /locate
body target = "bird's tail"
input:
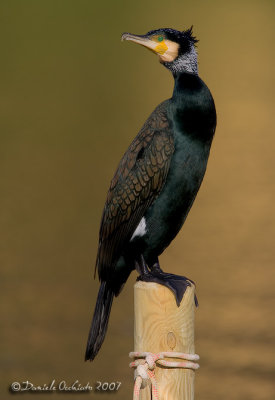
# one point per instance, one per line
(100, 321)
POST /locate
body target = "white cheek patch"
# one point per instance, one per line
(171, 53)
(140, 230)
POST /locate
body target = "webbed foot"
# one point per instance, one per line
(178, 284)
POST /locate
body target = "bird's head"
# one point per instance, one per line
(176, 49)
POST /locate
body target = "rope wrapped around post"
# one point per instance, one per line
(145, 363)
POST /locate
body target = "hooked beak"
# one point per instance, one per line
(141, 39)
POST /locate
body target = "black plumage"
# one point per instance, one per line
(156, 181)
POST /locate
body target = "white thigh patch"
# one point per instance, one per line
(140, 230)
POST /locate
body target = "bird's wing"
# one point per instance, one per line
(137, 182)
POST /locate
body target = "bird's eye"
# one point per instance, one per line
(160, 38)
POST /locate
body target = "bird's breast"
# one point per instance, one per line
(167, 214)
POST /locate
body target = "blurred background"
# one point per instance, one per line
(72, 98)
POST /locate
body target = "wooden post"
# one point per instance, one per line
(162, 326)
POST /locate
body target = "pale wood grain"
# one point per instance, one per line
(162, 326)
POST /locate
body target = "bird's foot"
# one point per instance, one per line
(178, 284)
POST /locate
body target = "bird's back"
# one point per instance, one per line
(136, 184)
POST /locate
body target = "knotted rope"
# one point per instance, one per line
(146, 362)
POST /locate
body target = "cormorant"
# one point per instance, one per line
(156, 181)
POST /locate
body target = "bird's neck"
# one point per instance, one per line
(192, 108)
(187, 84)
(187, 62)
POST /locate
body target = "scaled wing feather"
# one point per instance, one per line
(137, 182)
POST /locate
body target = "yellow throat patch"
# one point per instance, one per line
(161, 47)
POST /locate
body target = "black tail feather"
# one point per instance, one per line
(100, 321)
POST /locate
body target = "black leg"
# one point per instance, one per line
(141, 266)
(178, 284)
